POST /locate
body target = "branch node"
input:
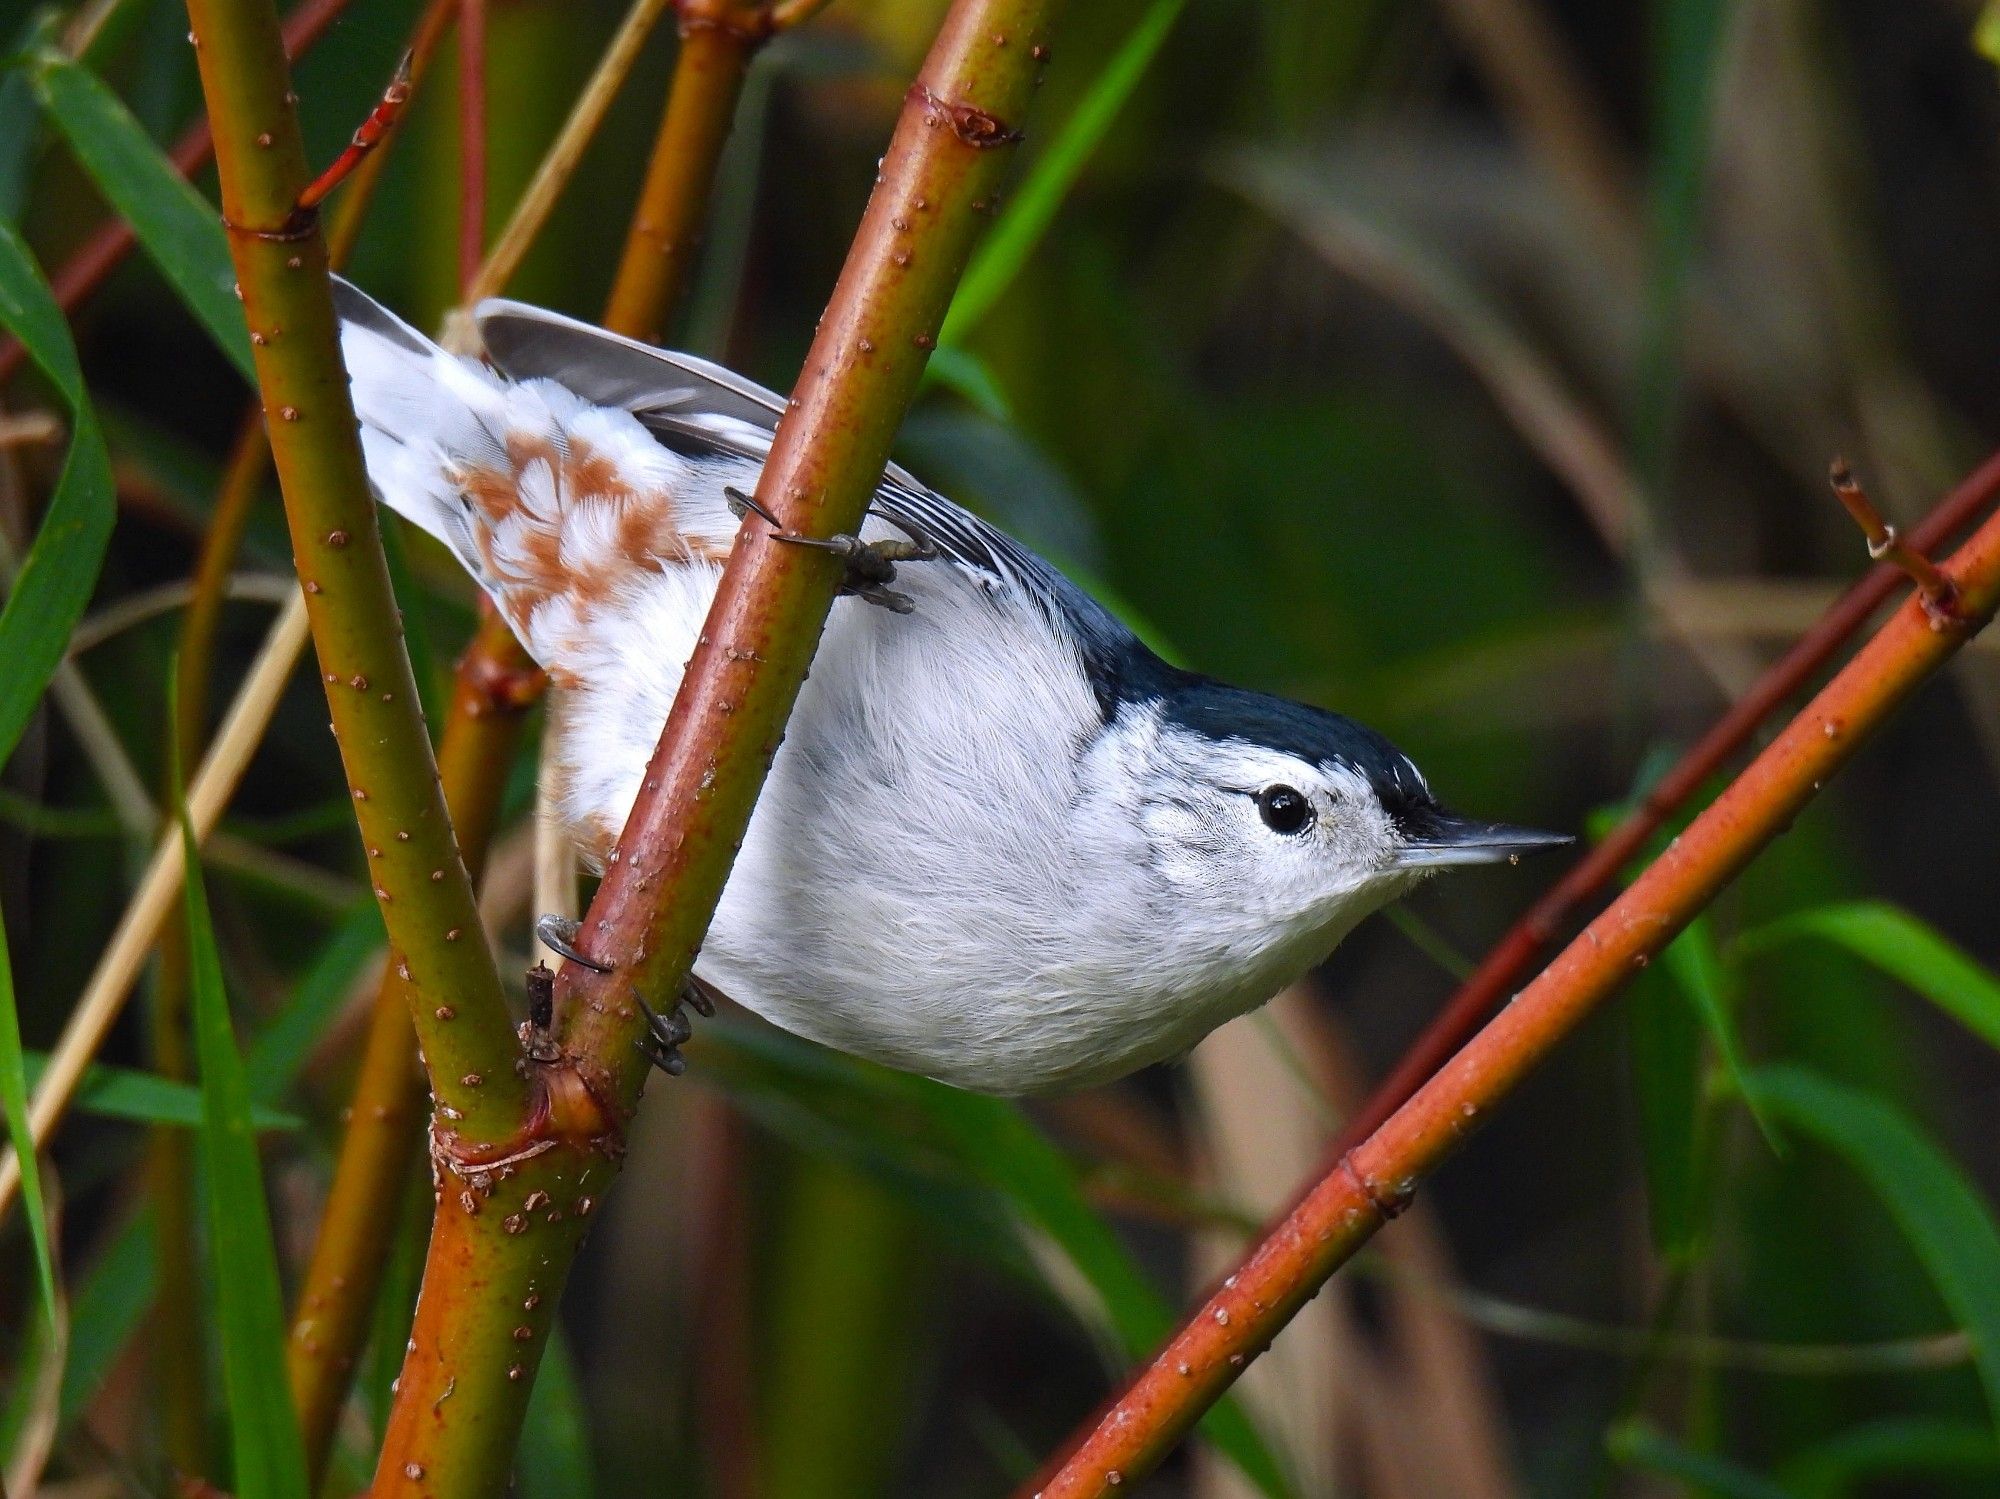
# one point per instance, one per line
(1388, 1203)
(975, 127)
(301, 223)
(1885, 544)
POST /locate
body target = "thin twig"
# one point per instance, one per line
(471, 139)
(1885, 545)
(367, 136)
(148, 604)
(1370, 1183)
(343, 230)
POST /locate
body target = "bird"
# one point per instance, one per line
(1003, 843)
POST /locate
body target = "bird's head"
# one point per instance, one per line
(1292, 818)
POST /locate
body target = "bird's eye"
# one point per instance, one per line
(1284, 809)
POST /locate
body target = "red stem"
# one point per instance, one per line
(381, 120)
(471, 139)
(1511, 958)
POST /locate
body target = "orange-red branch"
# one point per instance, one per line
(1511, 958)
(1375, 1179)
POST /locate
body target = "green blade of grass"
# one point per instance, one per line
(1695, 962)
(42, 608)
(264, 1430)
(14, 1100)
(1666, 1081)
(1914, 954)
(147, 1098)
(1895, 1448)
(55, 582)
(280, 1050)
(1940, 1213)
(20, 141)
(1033, 207)
(1639, 1445)
(110, 1303)
(181, 231)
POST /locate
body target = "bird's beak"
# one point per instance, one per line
(1436, 839)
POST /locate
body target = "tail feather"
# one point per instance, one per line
(424, 413)
(553, 505)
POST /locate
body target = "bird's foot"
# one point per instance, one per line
(871, 565)
(664, 1035)
(558, 935)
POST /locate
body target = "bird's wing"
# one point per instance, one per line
(701, 409)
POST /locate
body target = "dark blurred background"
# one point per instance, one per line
(1472, 367)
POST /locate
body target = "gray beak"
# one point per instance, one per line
(1436, 839)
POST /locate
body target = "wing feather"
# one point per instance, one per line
(701, 409)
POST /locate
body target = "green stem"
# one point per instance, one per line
(420, 881)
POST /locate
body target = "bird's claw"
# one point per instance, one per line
(871, 565)
(558, 935)
(664, 1035)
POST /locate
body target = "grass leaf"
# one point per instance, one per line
(14, 1101)
(264, 1430)
(180, 229)
(109, 1303)
(147, 1098)
(1639, 1445)
(1695, 963)
(55, 582)
(1666, 1080)
(1033, 206)
(1893, 1448)
(1908, 950)
(281, 1048)
(1941, 1214)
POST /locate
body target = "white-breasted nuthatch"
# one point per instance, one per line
(1003, 843)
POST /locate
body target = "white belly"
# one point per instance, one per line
(911, 888)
